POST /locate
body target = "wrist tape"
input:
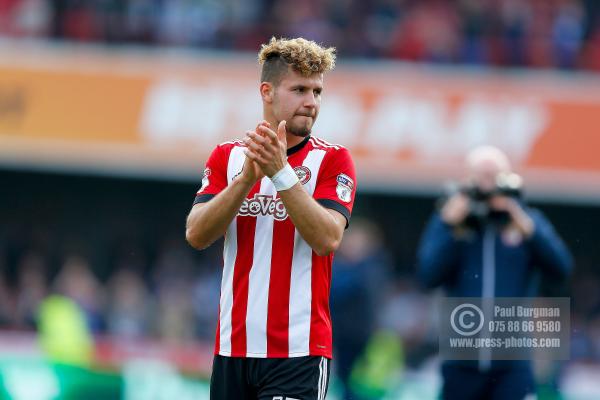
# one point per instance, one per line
(285, 178)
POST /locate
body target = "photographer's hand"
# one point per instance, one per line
(519, 217)
(456, 209)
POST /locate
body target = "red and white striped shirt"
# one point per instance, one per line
(275, 288)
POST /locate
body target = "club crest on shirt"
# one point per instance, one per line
(345, 184)
(303, 174)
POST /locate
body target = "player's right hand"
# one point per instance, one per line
(251, 171)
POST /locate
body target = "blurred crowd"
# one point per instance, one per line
(561, 34)
(172, 294)
(174, 299)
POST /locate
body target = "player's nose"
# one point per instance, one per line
(310, 101)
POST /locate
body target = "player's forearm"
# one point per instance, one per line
(207, 222)
(315, 223)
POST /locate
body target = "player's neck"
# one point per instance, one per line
(293, 140)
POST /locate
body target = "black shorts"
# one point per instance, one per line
(299, 378)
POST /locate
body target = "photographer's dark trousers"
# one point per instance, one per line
(469, 383)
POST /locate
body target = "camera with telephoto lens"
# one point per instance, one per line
(507, 184)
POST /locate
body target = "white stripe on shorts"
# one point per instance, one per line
(320, 384)
(324, 392)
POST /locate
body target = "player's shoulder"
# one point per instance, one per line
(323, 144)
(225, 148)
(334, 153)
(230, 144)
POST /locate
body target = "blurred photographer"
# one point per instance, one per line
(492, 195)
(485, 242)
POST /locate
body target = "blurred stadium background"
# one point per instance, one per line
(109, 108)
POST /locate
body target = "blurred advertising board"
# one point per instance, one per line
(38, 379)
(126, 370)
(160, 113)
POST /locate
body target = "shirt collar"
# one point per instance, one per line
(298, 147)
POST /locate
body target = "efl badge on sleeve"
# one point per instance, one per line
(344, 188)
(205, 181)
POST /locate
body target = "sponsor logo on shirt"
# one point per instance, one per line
(303, 174)
(345, 180)
(344, 188)
(263, 204)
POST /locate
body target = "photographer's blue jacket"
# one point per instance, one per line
(490, 262)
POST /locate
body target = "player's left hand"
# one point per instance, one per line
(268, 148)
(519, 217)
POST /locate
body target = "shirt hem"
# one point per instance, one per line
(276, 355)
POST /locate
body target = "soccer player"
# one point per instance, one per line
(282, 198)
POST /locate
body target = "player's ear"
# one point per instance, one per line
(267, 91)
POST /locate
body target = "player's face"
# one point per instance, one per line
(297, 99)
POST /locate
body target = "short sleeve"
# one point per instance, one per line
(214, 178)
(336, 185)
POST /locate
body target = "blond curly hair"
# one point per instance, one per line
(304, 56)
